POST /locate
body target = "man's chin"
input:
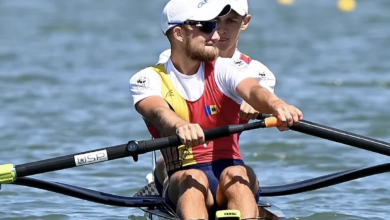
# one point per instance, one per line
(208, 53)
(224, 45)
(212, 53)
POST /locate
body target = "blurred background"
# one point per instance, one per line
(64, 71)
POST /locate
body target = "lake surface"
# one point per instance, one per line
(64, 71)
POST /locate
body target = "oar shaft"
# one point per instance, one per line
(132, 148)
(73, 160)
(343, 137)
(338, 136)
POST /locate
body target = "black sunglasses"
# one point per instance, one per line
(205, 26)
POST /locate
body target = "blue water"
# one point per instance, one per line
(64, 71)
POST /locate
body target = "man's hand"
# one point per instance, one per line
(247, 112)
(190, 134)
(287, 114)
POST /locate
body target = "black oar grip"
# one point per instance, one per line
(173, 141)
(142, 147)
(263, 116)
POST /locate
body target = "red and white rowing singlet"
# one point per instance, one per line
(212, 109)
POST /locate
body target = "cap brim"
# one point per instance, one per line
(211, 11)
(239, 10)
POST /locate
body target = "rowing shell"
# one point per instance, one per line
(266, 210)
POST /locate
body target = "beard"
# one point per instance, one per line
(200, 53)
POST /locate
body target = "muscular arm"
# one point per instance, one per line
(155, 110)
(240, 83)
(267, 80)
(264, 101)
(145, 88)
(257, 96)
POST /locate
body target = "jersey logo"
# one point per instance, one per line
(262, 75)
(169, 94)
(239, 62)
(142, 83)
(211, 110)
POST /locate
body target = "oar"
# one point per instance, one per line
(151, 201)
(324, 181)
(9, 173)
(90, 195)
(339, 136)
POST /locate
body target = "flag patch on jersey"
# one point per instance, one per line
(211, 110)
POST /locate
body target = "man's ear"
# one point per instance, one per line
(246, 21)
(178, 33)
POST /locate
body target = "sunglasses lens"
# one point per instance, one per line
(208, 27)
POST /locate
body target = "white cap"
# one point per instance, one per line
(239, 6)
(178, 11)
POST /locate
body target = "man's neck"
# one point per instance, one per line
(184, 64)
(229, 52)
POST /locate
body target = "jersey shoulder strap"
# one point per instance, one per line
(177, 103)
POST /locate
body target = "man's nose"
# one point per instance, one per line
(215, 36)
(221, 28)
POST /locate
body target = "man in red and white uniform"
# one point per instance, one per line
(229, 28)
(195, 90)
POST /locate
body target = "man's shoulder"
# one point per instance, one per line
(259, 67)
(257, 64)
(223, 65)
(143, 76)
(247, 59)
(164, 56)
(262, 70)
(231, 62)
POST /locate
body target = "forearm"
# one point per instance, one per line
(169, 123)
(257, 96)
(165, 120)
(261, 99)
(266, 102)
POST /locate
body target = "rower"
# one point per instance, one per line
(196, 90)
(229, 28)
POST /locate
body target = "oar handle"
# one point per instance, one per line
(132, 148)
(263, 116)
